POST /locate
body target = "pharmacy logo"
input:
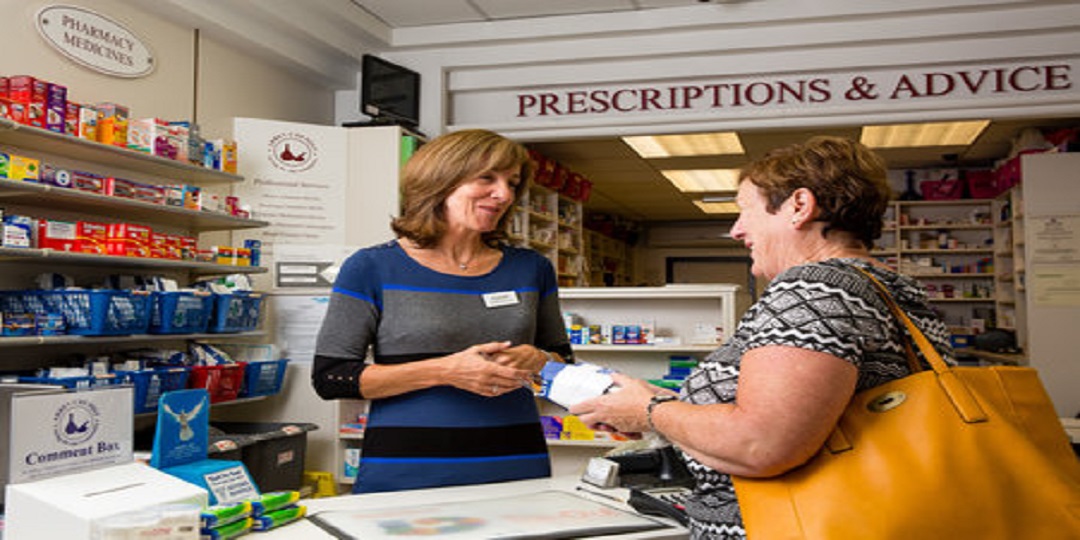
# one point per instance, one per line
(292, 152)
(76, 422)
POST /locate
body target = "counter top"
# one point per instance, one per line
(304, 529)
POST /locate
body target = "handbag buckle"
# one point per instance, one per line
(886, 401)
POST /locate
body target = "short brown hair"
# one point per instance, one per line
(848, 180)
(443, 164)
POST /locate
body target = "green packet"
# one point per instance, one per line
(215, 516)
(228, 530)
(268, 502)
(279, 517)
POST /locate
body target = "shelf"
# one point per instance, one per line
(961, 300)
(10, 254)
(31, 138)
(696, 292)
(971, 275)
(26, 341)
(238, 401)
(952, 202)
(957, 251)
(949, 226)
(646, 349)
(595, 443)
(72, 199)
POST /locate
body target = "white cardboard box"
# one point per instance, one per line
(67, 506)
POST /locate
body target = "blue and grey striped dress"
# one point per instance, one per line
(405, 312)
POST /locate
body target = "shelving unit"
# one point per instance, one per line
(552, 225)
(1009, 267)
(609, 262)
(19, 197)
(678, 312)
(949, 247)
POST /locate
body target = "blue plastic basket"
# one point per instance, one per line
(84, 382)
(149, 384)
(264, 378)
(236, 312)
(86, 312)
(181, 312)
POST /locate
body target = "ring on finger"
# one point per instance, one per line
(494, 389)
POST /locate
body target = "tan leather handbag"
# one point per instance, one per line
(951, 453)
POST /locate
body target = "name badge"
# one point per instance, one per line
(500, 299)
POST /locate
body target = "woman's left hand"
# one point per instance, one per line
(623, 408)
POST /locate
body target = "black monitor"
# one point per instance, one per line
(389, 93)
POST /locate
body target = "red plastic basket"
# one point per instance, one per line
(223, 383)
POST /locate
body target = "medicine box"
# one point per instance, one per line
(112, 124)
(129, 240)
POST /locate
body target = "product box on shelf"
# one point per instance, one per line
(87, 127)
(112, 124)
(130, 189)
(19, 231)
(54, 176)
(58, 235)
(159, 245)
(86, 181)
(71, 119)
(177, 135)
(55, 107)
(151, 135)
(23, 168)
(129, 240)
(31, 92)
(93, 237)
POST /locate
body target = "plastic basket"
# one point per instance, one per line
(235, 312)
(151, 383)
(85, 382)
(181, 312)
(86, 313)
(223, 383)
(264, 378)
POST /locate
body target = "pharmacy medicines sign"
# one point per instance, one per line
(95, 41)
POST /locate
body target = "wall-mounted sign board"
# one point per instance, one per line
(95, 41)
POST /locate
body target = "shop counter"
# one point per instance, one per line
(510, 492)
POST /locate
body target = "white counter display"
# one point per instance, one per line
(538, 503)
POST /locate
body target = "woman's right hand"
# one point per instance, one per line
(472, 370)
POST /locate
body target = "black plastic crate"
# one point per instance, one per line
(272, 452)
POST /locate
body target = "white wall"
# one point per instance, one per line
(230, 83)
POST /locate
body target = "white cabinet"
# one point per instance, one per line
(687, 320)
(1009, 268)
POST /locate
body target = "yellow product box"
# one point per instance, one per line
(24, 168)
(112, 125)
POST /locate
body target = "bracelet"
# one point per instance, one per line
(653, 402)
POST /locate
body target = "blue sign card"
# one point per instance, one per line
(181, 442)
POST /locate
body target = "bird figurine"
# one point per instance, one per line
(185, 418)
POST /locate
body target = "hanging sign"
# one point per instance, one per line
(95, 41)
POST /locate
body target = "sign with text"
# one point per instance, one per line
(95, 41)
(57, 434)
(296, 176)
(724, 97)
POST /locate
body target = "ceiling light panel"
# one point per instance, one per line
(697, 144)
(729, 208)
(923, 135)
(703, 180)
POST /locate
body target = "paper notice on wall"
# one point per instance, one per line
(1054, 239)
(298, 319)
(295, 177)
(1055, 285)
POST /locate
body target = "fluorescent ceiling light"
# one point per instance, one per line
(921, 135)
(695, 144)
(718, 207)
(703, 180)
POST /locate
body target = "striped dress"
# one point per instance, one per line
(386, 302)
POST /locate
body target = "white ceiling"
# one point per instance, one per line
(325, 39)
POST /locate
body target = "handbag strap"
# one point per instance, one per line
(959, 393)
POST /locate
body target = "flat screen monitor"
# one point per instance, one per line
(389, 93)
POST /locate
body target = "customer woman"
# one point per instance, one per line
(766, 400)
(457, 324)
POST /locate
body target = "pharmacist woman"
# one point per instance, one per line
(457, 322)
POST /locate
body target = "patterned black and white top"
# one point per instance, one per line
(826, 307)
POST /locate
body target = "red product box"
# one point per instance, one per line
(93, 237)
(55, 107)
(84, 181)
(159, 245)
(20, 88)
(173, 247)
(13, 110)
(4, 87)
(71, 118)
(188, 247)
(129, 240)
(33, 92)
(58, 235)
(129, 189)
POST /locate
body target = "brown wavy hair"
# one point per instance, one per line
(848, 180)
(443, 164)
